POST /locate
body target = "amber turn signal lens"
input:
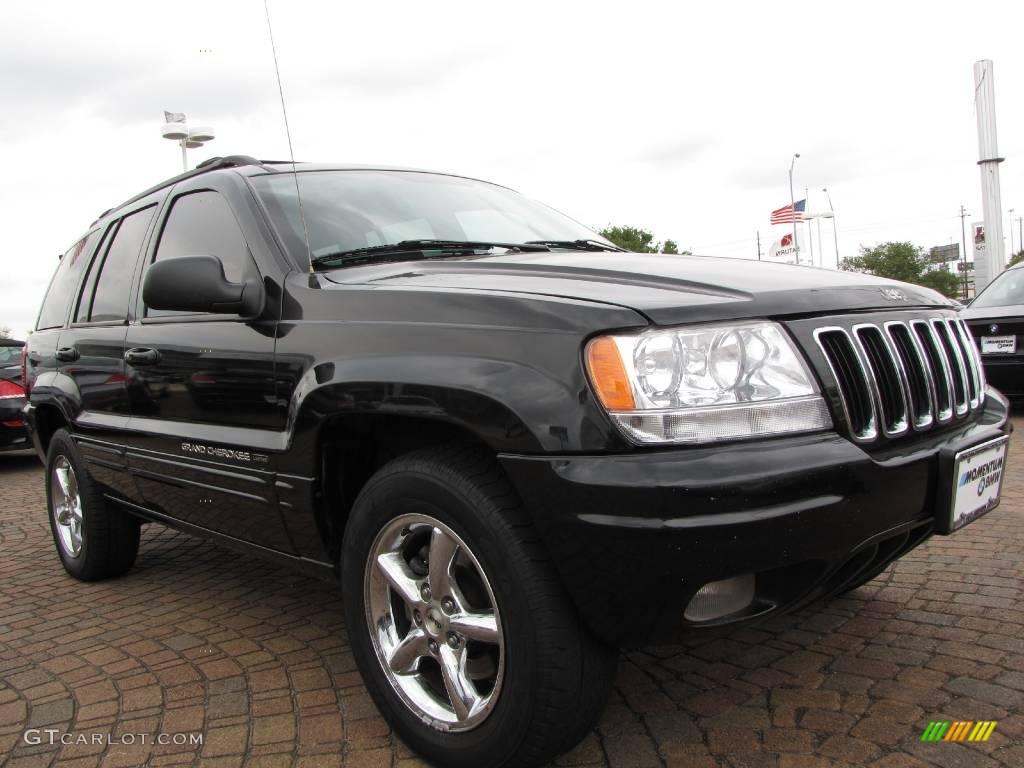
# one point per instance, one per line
(608, 375)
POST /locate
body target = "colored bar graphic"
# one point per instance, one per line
(959, 730)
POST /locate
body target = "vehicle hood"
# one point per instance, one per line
(666, 288)
(985, 313)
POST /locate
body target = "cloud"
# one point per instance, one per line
(675, 153)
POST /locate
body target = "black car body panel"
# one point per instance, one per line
(666, 289)
(250, 430)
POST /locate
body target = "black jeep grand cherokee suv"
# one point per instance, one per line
(517, 446)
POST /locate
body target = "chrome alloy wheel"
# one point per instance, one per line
(66, 502)
(434, 623)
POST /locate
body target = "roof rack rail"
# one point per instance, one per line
(229, 161)
(212, 164)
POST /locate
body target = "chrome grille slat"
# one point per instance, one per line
(939, 365)
(973, 360)
(898, 375)
(918, 383)
(956, 366)
(846, 363)
(884, 380)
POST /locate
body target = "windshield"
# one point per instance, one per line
(1005, 291)
(348, 210)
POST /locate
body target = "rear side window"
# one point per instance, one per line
(89, 284)
(109, 300)
(65, 281)
(202, 224)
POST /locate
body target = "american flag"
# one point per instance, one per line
(789, 213)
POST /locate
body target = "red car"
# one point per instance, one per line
(13, 436)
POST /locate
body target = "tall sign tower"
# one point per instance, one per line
(994, 259)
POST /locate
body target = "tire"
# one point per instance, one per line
(541, 684)
(94, 540)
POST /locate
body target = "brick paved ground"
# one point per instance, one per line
(254, 658)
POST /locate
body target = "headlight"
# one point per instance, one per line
(705, 383)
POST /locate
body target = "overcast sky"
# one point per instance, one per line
(677, 117)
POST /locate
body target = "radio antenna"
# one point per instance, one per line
(288, 133)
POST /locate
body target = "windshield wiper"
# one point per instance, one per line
(411, 246)
(578, 245)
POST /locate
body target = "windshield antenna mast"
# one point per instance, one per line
(288, 133)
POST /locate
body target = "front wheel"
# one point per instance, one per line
(464, 635)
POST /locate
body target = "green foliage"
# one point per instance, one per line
(1017, 258)
(945, 282)
(638, 240)
(903, 261)
(899, 261)
(631, 238)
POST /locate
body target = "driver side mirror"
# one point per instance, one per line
(198, 284)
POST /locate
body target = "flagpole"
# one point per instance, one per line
(821, 248)
(835, 232)
(810, 234)
(792, 206)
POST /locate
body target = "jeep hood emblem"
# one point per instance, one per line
(893, 294)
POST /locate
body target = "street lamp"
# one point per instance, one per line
(821, 249)
(792, 205)
(1011, 234)
(176, 129)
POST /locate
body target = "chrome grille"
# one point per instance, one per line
(903, 376)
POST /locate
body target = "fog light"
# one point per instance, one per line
(720, 598)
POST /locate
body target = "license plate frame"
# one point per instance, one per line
(973, 486)
(999, 345)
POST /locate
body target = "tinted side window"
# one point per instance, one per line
(110, 299)
(65, 280)
(201, 223)
(89, 284)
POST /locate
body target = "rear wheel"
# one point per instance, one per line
(465, 637)
(94, 540)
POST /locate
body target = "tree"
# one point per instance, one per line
(638, 240)
(1017, 258)
(899, 261)
(903, 261)
(942, 280)
(5, 331)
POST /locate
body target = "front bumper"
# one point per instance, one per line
(1005, 374)
(635, 536)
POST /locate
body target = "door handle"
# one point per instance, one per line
(67, 354)
(142, 356)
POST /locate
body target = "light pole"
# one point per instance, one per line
(792, 205)
(1011, 233)
(176, 129)
(963, 258)
(808, 217)
(835, 232)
